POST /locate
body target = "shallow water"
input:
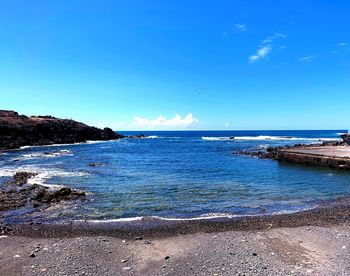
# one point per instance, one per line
(181, 175)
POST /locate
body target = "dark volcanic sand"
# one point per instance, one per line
(312, 250)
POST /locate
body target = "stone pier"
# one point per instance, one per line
(328, 156)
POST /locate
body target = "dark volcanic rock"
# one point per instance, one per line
(19, 130)
(17, 193)
(21, 178)
(346, 138)
(95, 164)
(137, 136)
(65, 193)
(268, 153)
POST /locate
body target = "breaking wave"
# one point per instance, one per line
(268, 138)
(43, 174)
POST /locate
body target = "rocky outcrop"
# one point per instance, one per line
(268, 153)
(18, 193)
(137, 136)
(19, 130)
(346, 138)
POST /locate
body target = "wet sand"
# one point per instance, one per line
(333, 212)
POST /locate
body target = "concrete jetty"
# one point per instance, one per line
(326, 156)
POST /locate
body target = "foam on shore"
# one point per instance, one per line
(71, 144)
(209, 216)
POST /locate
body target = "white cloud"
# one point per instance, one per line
(306, 59)
(237, 28)
(341, 44)
(241, 27)
(260, 53)
(227, 125)
(265, 47)
(159, 123)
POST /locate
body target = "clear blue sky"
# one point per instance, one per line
(231, 64)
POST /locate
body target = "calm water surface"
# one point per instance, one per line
(181, 175)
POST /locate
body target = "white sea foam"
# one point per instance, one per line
(202, 217)
(161, 137)
(267, 138)
(43, 174)
(28, 156)
(112, 220)
(264, 146)
(152, 137)
(217, 138)
(208, 216)
(71, 144)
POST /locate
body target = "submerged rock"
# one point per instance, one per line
(95, 164)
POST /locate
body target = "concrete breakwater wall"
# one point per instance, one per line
(332, 157)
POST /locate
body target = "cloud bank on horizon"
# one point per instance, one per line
(159, 123)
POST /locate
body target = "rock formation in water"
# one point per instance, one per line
(19, 130)
(346, 138)
(18, 193)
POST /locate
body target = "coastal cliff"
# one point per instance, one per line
(19, 130)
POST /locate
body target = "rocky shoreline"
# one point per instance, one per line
(17, 193)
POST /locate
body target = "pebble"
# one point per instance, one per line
(127, 268)
(124, 261)
(17, 256)
(166, 257)
(32, 255)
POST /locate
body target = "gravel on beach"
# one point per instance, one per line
(312, 250)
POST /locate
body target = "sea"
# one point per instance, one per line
(177, 175)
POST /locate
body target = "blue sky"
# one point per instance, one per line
(217, 64)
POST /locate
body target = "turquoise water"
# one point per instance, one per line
(182, 175)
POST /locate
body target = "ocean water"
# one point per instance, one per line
(181, 175)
